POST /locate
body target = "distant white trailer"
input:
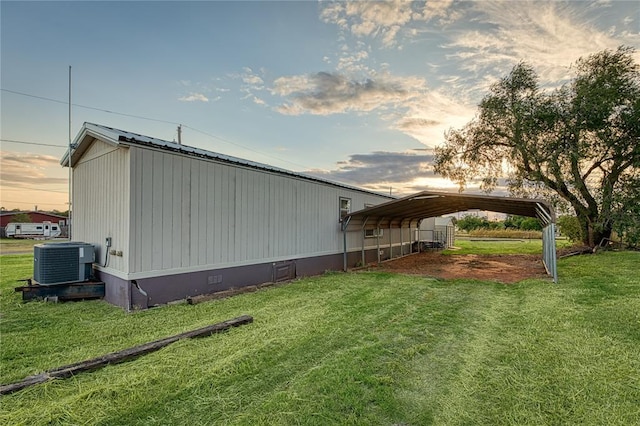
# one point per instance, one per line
(32, 230)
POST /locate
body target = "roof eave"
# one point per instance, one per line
(86, 135)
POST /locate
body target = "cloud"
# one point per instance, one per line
(548, 35)
(380, 167)
(374, 19)
(17, 169)
(411, 123)
(352, 63)
(484, 40)
(401, 172)
(405, 102)
(429, 116)
(259, 101)
(384, 20)
(439, 9)
(326, 93)
(252, 80)
(194, 97)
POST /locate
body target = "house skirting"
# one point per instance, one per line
(153, 291)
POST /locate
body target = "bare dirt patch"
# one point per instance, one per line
(506, 268)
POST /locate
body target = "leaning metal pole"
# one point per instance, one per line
(70, 173)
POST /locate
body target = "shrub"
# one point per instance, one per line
(570, 228)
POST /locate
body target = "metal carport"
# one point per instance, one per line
(407, 212)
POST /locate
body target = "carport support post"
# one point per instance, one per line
(362, 252)
(548, 243)
(345, 223)
(364, 223)
(378, 242)
(410, 239)
(401, 242)
(390, 242)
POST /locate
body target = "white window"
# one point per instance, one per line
(345, 207)
(372, 233)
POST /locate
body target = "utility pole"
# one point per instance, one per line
(70, 168)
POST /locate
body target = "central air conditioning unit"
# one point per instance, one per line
(62, 263)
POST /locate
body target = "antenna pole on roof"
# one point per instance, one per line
(70, 174)
(179, 134)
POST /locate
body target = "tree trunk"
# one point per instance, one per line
(594, 230)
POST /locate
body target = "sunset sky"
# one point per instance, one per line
(357, 92)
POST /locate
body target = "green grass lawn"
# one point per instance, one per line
(505, 246)
(359, 348)
(17, 245)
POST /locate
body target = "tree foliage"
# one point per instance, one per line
(578, 144)
(470, 223)
(520, 223)
(569, 226)
(21, 218)
(626, 211)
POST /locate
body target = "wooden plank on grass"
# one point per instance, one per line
(123, 355)
(73, 291)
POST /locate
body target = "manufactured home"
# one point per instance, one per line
(170, 221)
(183, 221)
(32, 230)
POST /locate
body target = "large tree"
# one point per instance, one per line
(580, 142)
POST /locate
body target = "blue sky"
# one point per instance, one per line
(358, 92)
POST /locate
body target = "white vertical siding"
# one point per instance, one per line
(185, 217)
(167, 206)
(190, 213)
(101, 201)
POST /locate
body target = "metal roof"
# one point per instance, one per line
(117, 137)
(402, 212)
(408, 211)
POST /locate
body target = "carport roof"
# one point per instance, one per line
(408, 211)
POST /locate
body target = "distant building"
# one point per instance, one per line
(36, 217)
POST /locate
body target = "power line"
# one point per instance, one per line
(88, 107)
(157, 120)
(31, 143)
(242, 146)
